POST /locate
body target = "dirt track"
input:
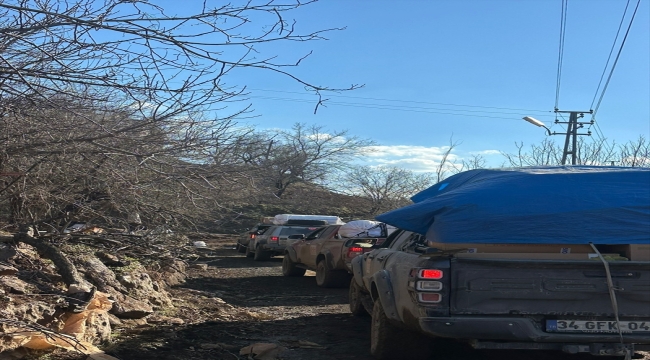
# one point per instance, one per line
(237, 302)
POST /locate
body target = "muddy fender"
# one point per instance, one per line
(329, 260)
(292, 253)
(385, 291)
(357, 270)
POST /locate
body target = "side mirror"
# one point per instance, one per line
(297, 236)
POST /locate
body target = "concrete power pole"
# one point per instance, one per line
(571, 141)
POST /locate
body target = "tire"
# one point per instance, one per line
(330, 278)
(388, 341)
(355, 297)
(249, 253)
(260, 255)
(289, 268)
(241, 248)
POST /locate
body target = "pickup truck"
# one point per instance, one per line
(415, 295)
(327, 253)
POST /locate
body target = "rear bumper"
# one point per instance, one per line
(514, 329)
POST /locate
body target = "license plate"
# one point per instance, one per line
(597, 326)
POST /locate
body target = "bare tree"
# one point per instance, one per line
(306, 153)
(126, 91)
(475, 161)
(386, 187)
(589, 152)
(634, 153)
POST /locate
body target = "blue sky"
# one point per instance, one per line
(494, 61)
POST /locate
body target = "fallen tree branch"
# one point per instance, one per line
(66, 268)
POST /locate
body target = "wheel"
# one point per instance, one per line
(388, 341)
(289, 268)
(355, 297)
(249, 253)
(330, 278)
(260, 255)
(241, 248)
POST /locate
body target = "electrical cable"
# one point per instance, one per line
(405, 101)
(609, 57)
(399, 108)
(609, 148)
(618, 55)
(560, 55)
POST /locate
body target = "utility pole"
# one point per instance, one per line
(572, 133)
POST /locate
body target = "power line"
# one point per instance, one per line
(609, 77)
(611, 51)
(560, 55)
(618, 55)
(405, 101)
(398, 108)
(395, 107)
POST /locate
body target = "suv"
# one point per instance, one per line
(245, 238)
(273, 241)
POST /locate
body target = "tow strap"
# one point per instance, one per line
(612, 298)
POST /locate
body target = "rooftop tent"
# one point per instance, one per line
(534, 205)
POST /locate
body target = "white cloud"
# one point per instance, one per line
(486, 152)
(418, 158)
(414, 158)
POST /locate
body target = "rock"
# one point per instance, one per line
(100, 275)
(200, 266)
(141, 287)
(170, 272)
(176, 321)
(126, 307)
(135, 322)
(14, 285)
(114, 320)
(157, 319)
(7, 270)
(210, 346)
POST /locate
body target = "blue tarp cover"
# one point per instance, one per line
(533, 205)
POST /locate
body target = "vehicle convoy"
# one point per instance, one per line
(507, 271)
(328, 253)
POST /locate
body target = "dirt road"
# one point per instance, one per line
(237, 302)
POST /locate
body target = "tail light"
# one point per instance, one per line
(274, 238)
(430, 274)
(429, 297)
(354, 251)
(252, 236)
(426, 285)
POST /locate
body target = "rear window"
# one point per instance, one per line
(297, 230)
